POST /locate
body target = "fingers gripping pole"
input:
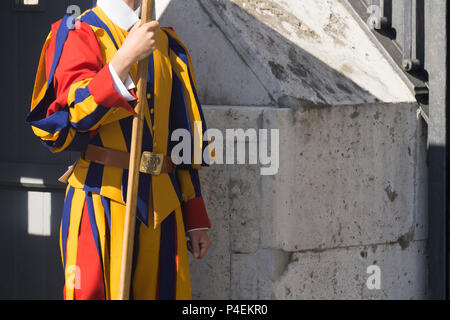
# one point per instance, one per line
(133, 176)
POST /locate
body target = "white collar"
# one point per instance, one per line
(120, 13)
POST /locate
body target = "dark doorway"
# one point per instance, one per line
(30, 198)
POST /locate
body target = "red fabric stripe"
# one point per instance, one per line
(81, 59)
(102, 89)
(91, 273)
(133, 93)
(49, 53)
(195, 215)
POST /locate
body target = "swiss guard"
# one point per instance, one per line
(83, 100)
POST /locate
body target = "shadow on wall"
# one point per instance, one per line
(222, 57)
(221, 61)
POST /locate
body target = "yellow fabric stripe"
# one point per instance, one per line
(183, 285)
(53, 137)
(73, 90)
(113, 115)
(106, 44)
(112, 138)
(145, 279)
(163, 91)
(44, 135)
(191, 66)
(118, 33)
(60, 244)
(181, 71)
(117, 226)
(193, 112)
(70, 136)
(79, 174)
(164, 195)
(60, 229)
(72, 242)
(165, 198)
(186, 185)
(83, 108)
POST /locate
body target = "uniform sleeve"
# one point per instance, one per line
(193, 206)
(82, 96)
(187, 103)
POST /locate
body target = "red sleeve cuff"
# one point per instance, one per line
(195, 215)
(102, 89)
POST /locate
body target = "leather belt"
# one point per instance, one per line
(151, 162)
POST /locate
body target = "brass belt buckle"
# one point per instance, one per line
(151, 162)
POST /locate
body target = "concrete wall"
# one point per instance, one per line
(350, 191)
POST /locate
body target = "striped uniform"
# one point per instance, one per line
(75, 104)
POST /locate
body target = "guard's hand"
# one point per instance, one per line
(138, 45)
(141, 40)
(198, 243)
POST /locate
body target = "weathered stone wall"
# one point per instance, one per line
(350, 191)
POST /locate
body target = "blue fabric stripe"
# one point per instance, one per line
(179, 116)
(178, 49)
(124, 185)
(195, 181)
(145, 181)
(61, 37)
(41, 109)
(126, 125)
(89, 121)
(91, 18)
(147, 141)
(59, 141)
(52, 124)
(107, 207)
(143, 198)
(38, 117)
(167, 254)
(82, 94)
(176, 186)
(80, 142)
(92, 118)
(182, 54)
(96, 140)
(94, 229)
(66, 221)
(93, 181)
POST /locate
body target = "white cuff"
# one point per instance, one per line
(197, 229)
(120, 87)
